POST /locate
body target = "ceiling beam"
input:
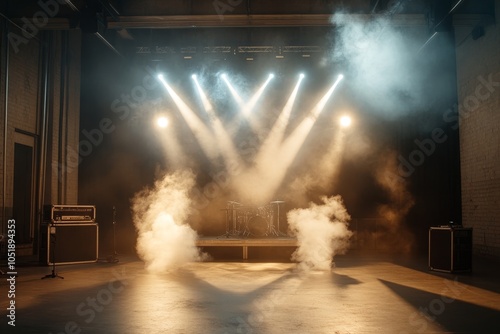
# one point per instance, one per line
(214, 21)
(275, 20)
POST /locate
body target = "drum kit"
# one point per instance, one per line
(253, 221)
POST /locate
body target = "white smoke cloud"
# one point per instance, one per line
(165, 239)
(322, 231)
(380, 60)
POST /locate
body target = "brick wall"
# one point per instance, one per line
(21, 115)
(23, 104)
(478, 76)
(24, 113)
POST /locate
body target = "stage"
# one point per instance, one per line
(363, 294)
(244, 243)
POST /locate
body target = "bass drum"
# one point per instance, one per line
(258, 226)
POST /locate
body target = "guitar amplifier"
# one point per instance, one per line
(450, 249)
(69, 214)
(69, 243)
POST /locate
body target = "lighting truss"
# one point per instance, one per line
(143, 50)
(164, 50)
(256, 49)
(188, 49)
(301, 49)
(225, 49)
(217, 49)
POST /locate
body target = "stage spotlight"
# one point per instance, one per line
(161, 77)
(345, 121)
(271, 75)
(162, 122)
(193, 76)
(223, 76)
(302, 75)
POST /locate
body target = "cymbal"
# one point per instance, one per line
(277, 202)
(233, 202)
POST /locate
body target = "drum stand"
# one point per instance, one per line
(277, 232)
(228, 233)
(245, 232)
(230, 210)
(272, 231)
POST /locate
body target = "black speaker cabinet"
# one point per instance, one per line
(69, 243)
(450, 249)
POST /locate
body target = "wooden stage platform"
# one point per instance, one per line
(246, 242)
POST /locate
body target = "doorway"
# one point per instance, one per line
(23, 193)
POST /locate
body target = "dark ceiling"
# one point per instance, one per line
(152, 28)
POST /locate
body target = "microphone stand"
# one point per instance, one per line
(52, 241)
(113, 258)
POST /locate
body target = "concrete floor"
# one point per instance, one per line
(362, 294)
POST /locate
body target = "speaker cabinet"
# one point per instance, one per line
(450, 249)
(69, 243)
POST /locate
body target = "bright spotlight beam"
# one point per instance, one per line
(253, 101)
(204, 100)
(233, 91)
(267, 171)
(271, 144)
(172, 147)
(291, 145)
(200, 131)
(248, 107)
(319, 107)
(227, 149)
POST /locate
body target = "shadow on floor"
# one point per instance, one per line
(447, 310)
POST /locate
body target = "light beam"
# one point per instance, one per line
(291, 146)
(200, 131)
(233, 91)
(261, 180)
(253, 101)
(227, 148)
